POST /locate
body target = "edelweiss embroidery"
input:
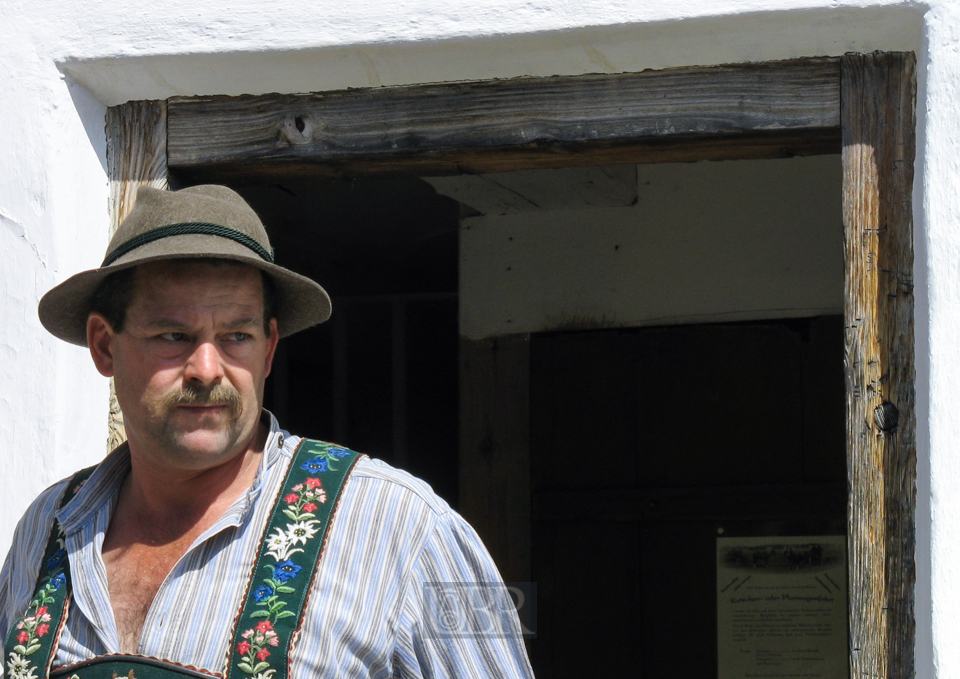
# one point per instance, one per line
(36, 621)
(292, 547)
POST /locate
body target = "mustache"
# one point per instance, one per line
(217, 395)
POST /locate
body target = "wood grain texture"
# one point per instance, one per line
(878, 122)
(495, 448)
(749, 110)
(136, 156)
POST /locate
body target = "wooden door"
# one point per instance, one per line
(644, 443)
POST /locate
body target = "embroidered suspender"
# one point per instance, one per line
(273, 606)
(272, 611)
(32, 642)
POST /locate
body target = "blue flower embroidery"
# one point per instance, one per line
(59, 580)
(287, 570)
(317, 465)
(339, 453)
(262, 593)
(56, 559)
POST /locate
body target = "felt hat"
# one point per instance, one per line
(196, 222)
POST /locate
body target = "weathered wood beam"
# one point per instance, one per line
(136, 156)
(878, 97)
(495, 448)
(762, 110)
(748, 503)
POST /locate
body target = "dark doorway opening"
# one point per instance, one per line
(646, 443)
(381, 375)
(643, 442)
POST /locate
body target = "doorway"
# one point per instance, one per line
(864, 104)
(686, 428)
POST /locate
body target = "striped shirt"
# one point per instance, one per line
(374, 610)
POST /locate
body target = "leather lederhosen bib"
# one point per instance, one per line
(271, 613)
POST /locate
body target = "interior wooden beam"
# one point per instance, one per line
(878, 98)
(136, 156)
(761, 110)
(495, 448)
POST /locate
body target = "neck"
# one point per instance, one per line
(173, 501)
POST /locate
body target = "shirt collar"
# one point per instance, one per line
(104, 484)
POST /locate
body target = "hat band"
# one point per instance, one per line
(187, 228)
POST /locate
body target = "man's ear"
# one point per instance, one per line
(100, 340)
(271, 346)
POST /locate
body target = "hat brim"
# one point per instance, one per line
(300, 302)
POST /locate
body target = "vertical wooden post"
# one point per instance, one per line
(136, 156)
(495, 448)
(878, 94)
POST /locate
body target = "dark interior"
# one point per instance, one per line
(645, 443)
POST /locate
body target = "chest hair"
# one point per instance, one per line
(134, 575)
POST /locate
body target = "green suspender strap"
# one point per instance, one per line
(272, 612)
(274, 602)
(32, 641)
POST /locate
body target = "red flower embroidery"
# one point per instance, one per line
(42, 629)
(291, 498)
(264, 625)
(313, 483)
(40, 611)
(262, 654)
(243, 647)
(309, 507)
(22, 637)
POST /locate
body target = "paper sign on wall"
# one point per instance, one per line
(782, 607)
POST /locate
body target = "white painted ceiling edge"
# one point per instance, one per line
(531, 42)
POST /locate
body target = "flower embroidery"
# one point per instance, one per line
(279, 547)
(325, 459)
(282, 545)
(56, 559)
(262, 592)
(287, 570)
(253, 648)
(19, 667)
(299, 533)
(317, 465)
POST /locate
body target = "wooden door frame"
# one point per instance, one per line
(860, 105)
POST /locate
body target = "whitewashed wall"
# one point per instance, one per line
(61, 61)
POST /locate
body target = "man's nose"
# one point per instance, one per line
(204, 366)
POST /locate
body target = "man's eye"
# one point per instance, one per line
(238, 336)
(174, 336)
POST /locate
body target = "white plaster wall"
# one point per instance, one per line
(52, 222)
(704, 242)
(53, 187)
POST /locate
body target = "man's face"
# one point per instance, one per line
(190, 364)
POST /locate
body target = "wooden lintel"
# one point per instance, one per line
(495, 448)
(878, 120)
(747, 503)
(762, 110)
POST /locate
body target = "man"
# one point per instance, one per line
(213, 543)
